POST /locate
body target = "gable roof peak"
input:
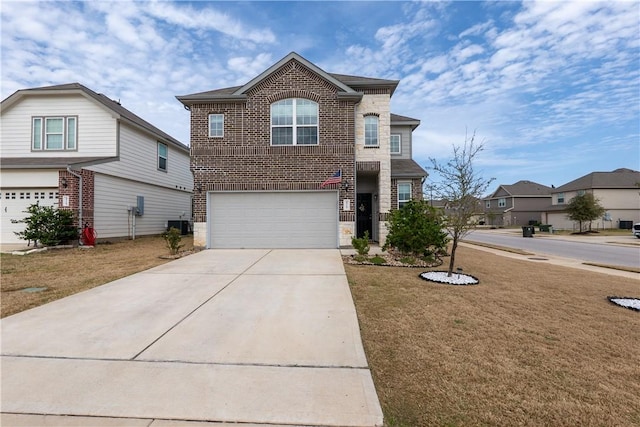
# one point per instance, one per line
(101, 99)
(294, 56)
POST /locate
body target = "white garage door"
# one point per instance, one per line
(273, 220)
(13, 203)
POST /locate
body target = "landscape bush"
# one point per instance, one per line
(416, 229)
(47, 225)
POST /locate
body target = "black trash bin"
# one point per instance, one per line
(527, 231)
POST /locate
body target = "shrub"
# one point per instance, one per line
(361, 245)
(173, 239)
(378, 260)
(47, 225)
(416, 229)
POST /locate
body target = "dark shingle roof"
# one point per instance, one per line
(49, 162)
(107, 102)
(527, 188)
(406, 168)
(348, 85)
(619, 178)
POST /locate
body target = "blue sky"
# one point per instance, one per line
(551, 88)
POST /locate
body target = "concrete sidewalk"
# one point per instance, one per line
(234, 336)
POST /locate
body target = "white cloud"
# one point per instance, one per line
(209, 19)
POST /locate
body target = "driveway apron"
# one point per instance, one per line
(237, 336)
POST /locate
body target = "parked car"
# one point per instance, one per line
(636, 230)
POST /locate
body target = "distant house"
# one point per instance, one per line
(299, 158)
(477, 217)
(617, 191)
(70, 147)
(517, 204)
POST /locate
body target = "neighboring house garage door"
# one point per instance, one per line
(13, 203)
(273, 220)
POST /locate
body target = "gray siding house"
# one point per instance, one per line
(517, 204)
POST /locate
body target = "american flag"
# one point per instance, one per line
(336, 178)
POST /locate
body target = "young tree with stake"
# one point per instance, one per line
(461, 188)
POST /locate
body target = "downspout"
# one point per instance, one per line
(80, 225)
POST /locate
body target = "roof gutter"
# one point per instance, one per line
(189, 100)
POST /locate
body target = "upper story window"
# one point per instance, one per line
(294, 121)
(487, 204)
(502, 202)
(560, 198)
(581, 192)
(371, 131)
(54, 133)
(396, 141)
(404, 193)
(163, 156)
(216, 125)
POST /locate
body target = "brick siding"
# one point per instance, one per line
(88, 185)
(244, 159)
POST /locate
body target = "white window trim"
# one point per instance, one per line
(166, 158)
(502, 202)
(377, 144)
(216, 136)
(42, 140)
(294, 125)
(399, 143)
(487, 204)
(560, 198)
(398, 191)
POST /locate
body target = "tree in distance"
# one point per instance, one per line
(584, 207)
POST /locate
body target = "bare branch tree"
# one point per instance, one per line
(461, 189)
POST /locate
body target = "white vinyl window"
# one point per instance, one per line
(216, 125)
(560, 198)
(294, 121)
(54, 133)
(404, 193)
(502, 203)
(371, 131)
(163, 156)
(488, 204)
(396, 141)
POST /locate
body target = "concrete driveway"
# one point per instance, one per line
(221, 336)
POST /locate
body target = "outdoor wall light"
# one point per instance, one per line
(345, 185)
(64, 182)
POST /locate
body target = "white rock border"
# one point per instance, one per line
(455, 279)
(627, 302)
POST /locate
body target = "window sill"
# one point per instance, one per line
(371, 146)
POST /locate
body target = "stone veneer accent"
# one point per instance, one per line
(244, 160)
(378, 105)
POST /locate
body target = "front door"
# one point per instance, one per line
(363, 218)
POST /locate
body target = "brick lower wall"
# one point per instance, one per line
(71, 191)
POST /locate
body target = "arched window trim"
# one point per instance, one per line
(371, 130)
(302, 126)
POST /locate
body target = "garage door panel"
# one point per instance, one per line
(13, 204)
(273, 220)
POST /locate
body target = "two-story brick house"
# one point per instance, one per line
(263, 156)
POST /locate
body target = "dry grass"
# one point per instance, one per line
(68, 271)
(533, 344)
